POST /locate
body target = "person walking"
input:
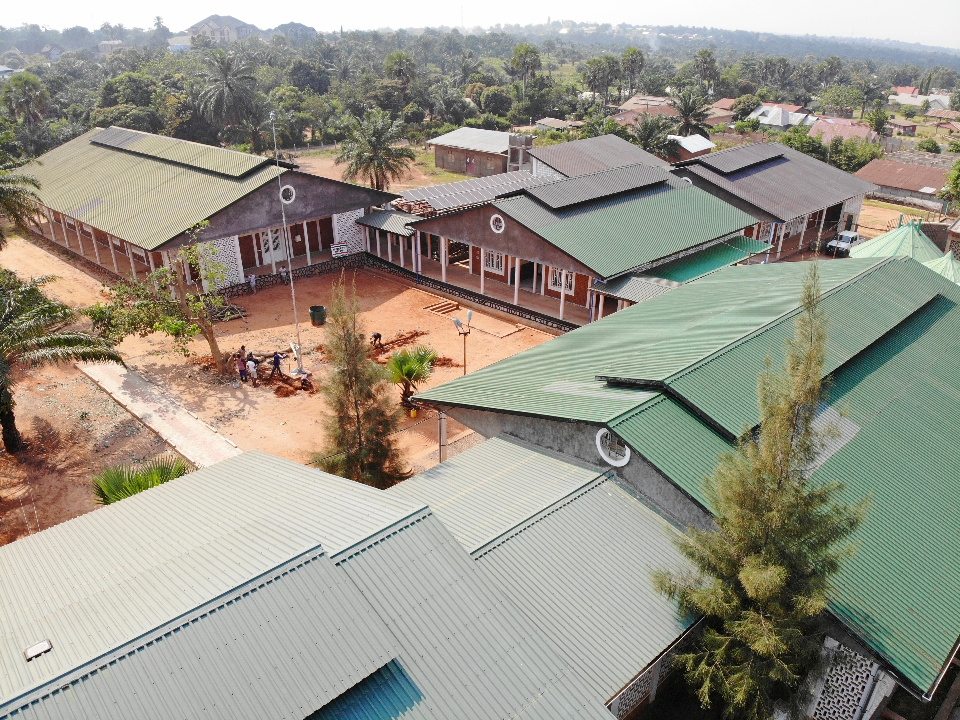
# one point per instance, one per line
(241, 366)
(252, 369)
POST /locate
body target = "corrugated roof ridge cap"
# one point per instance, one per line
(492, 544)
(378, 536)
(633, 412)
(80, 673)
(773, 322)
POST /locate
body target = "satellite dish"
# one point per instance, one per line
(287, 194)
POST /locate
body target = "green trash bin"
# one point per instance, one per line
(318, 314)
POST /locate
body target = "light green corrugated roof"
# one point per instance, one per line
(389, 220)
(628, 232)
(139, 198)
(710, 260)
(907, 240)
(948, 266)
(900, 593)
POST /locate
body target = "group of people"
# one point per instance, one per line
(248, 366)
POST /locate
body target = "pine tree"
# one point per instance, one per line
(363, 420)
(764, 572)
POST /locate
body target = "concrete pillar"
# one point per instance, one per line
(806, 221)
(63, 226)
(533, 281)
(443, 436)
(402, 241)
(96, 249)
(273, 254)
(113, 254)
(133, 268)
(600, 309)
(823, 219)
(783, 231)
(483, 264)
(563, 291)
(444, 257)
(377, 233)
(543, 279)
(516, 281)
(306, 240)
(508, 258)
(389, 248)
(76, 230)
(470, 256)
(49, 217)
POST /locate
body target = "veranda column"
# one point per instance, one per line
(516, 281)
(470, 256)
(533, 280)
(377, 234)
(306, 240)
(806, 221)
(444, 255)
(273, 254)
(783, 231)
(823, 219)
(389, 248)
(563, 290)
(600, 309)
(113, 254)
(401, 239)
(543, 279)
(133, 268)
(63, 226)
(47, 214)
(96, 250)
(76, 230)
(509, 259)
(482, 270)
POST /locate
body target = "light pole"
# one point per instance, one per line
(464, 330)
(287, 195)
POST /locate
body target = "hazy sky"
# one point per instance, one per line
(936, 24)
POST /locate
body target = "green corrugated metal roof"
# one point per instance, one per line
(900, 593)
(948, 266)
(907, 240)
(139, 198)
(389, 220)
(710, 260)
(635, 288)
(628, 232)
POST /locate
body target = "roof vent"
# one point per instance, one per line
(35, 651)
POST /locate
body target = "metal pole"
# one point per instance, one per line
(465, 353)
(286, 245)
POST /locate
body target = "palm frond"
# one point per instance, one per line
(117, 483)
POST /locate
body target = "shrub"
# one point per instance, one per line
(929, 145)
(121, 482)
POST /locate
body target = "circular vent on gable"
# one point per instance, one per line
(497, 224)
(612, 449)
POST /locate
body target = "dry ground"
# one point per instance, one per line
(875, 219)
(422, 173)
(254, 418)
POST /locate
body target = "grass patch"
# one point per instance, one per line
(426, 162)
(327, 152)
(905, 209)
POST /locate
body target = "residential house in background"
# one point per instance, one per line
(792, 196)
(223, 29)
(895, 126)
(179, 43)
(828, 128)
(52, 52)
(106, 47)
(548, 123)
(658, 392)
(479, 153)
(692, 146)
(905, 181)
(125, 199)
(937, 101)
(906, 90)
(721, 112)
(781, 116)
(588, 156)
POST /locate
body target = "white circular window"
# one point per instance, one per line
(612, 449)
(287, 194)
(497, 224)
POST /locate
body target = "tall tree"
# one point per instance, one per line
(229, 87)
(877, 120)
(370, 150)
(692, 112)
(18, 199)
(650, 133)
(631, 64)
(524, 63)
(705, 63)
(34, 331)
(25, 98)
(361, 426)
(763, 575)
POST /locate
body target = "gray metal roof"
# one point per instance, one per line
(573, 191)
(635, 288)
(591, 155)
(489, 141)
(475, 190)
(571, 548)
(777, 179)
(63, 584)
(390, 220)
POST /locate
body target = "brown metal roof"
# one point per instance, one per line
(905, 176)
(585, 157)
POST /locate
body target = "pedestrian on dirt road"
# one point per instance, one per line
(241, 366)
(252, 369)
(376, 340)
(277, 357)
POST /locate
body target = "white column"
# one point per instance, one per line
(113, 254)
(600, 310)
(63, 226)
(470, 256)
(306, 240)
(823, 219)
(803, 233)
(543, 279)
(389, 248)
(516, 281)
(509, 259)
(133, 268)
(96, 250)
(482, 271)
(76, 229)
(783, 231)
(533, 280)
(419, 250)
(563, 291)
(444, 257)
(619, 305)
(273, 254)
(49, 217)
(377, 234)
(443, 436)
(401, 239)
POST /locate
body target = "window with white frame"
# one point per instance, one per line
(555, 278)
(493, 261)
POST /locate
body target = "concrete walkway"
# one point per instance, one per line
(185, 432)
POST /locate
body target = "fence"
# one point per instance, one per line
(366, 260)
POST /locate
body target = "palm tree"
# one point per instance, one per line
(121, 482)
(409, 368)
(33, 332)
(370, 150)
(25, 98)
(18, 200)
(229, 87)
(650, 133)
(692, 111)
